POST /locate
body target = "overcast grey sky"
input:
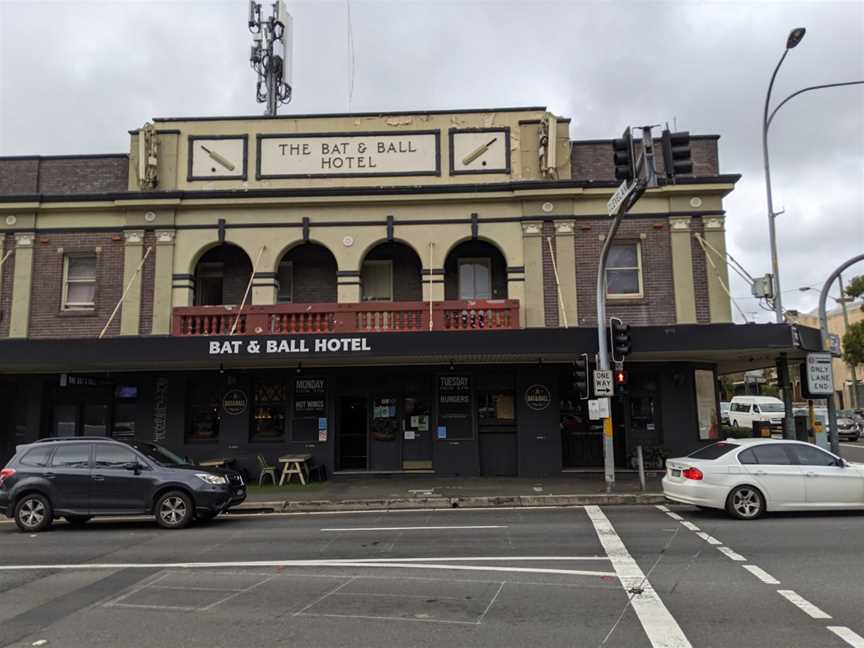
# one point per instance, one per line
(75, 76)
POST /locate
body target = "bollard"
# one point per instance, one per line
(641, 464)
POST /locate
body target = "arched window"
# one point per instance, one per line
(391, 272)
(307, 275)
(221, 276)
(475, 270)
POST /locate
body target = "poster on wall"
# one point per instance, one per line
(455, 411)
(160, 411)
(706, 404)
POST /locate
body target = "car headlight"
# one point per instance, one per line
(216, 480)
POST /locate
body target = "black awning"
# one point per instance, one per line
(729, 345)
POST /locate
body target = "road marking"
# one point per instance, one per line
(690, 525)
(235, 594)
(731, 554)
(383, 618)
(659, 624)
(803, 604)
(663, 508)
(491, 603)
(709, 539)
(849, 636)
(761, 574)
(325, 595)
(675, 516)
(417, 528)
(477, 559)
(362, 563)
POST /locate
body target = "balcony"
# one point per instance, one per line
(368, 317)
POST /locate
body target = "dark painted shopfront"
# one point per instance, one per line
(502, 403)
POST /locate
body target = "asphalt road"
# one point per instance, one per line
(610, 576)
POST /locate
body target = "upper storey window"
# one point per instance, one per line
(376, 280)
(624, 271)
(79, 282)
(475, 278)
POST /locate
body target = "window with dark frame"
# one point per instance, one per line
(376, 280)
(125, 408)
(271, 406)
(624, 271)
(285, 279)
(79, 282)
(475, 278)
(496, 407)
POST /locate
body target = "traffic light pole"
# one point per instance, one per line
(634, 194)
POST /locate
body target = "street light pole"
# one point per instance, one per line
(842, 300)
(793, 39)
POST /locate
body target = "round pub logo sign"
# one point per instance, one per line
(537, 397)
(235, 402)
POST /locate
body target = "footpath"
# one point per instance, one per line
(423, 491)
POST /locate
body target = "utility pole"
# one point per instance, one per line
(271, 54)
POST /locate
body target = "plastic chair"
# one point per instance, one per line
(266, 469)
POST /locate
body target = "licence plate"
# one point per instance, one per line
(676, 472)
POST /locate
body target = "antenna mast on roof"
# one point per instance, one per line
(271, 54)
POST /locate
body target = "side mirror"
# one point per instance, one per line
(134, 466)
(842, 462)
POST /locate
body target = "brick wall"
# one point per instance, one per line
(700, 273)
(46, 318)
(6, 284)
(314, 274)
(550, 288)
(657, 306)
(407, 270)
(592, 159)
(148, 273)
(67, 175)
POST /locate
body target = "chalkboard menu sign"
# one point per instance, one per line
(455, 413)
(309, 396)
(310, 401)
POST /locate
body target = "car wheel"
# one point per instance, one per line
(33, 513)
(745, 503)
(206, 516)
(78, 520)
(174, 510)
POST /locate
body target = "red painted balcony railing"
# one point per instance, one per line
(292, 319)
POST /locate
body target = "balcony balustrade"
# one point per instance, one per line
(366, 317)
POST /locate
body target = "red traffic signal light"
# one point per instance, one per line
(619, 377)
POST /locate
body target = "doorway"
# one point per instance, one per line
(351, 436)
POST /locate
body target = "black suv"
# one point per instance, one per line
(81, 477)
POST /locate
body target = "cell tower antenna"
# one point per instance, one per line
(272, 40)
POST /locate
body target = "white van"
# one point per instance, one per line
(746, 409)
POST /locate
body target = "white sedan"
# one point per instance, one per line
(747, 477)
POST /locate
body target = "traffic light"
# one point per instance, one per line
(676, 153)
(620, 334)
(580, 376)
(625, 164)
(619, 377)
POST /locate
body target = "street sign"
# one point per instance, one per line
(618, 197)
(820, 375)
(598, 409)
(603, 385)
(834, 345)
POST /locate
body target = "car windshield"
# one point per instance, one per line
(713, 451)
(771, 407)
(160, 455)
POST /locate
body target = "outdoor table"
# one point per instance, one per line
(295, 464)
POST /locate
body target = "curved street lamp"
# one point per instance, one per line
(794, 38)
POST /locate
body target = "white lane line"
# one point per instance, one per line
(474, 559)
(849, 636)
(417, 528)
(660, 626)
(325, 595)
(690, 525)
(731, 554)
(491, 603)
(803, 604)
(369, 617)
(488, 568)
(235, 594)
(708, 538)
(663, 508)
(761, 574)
(675, 516)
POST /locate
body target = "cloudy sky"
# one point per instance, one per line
(75, 76)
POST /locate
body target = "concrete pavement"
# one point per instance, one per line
(584, 576)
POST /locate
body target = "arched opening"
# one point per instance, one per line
(307, 275)
(221, 276)
(391, 272)
(475, 270)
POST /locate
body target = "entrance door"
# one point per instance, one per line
(581, 438)
(417, 441)
(352, 433)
